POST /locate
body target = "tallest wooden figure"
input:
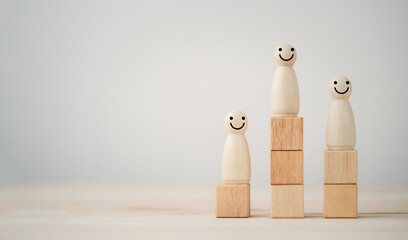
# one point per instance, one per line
(286, 139)
(285, 89)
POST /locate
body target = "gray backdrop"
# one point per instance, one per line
(136, 92)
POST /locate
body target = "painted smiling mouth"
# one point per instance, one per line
(286, 59)
(237, 128)
(341, 92)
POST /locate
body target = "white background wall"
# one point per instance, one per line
(136, 92)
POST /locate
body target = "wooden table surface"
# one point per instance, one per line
(186, 212)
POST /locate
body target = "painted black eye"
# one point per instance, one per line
(280, 49)
(231, 118)
(335, 82)
(243, 118)
(347, 82)
(292, 49)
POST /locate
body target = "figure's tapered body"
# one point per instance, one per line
(236, 163)
(285, 92)
(341, 129)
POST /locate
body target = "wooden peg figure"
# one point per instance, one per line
(285, 89)
(341, 129)
(236, 163)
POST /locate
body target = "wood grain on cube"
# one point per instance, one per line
(286, 167)
(232, 200)
(287, 201)
(340, 167)
(340, 201)
(286, 133)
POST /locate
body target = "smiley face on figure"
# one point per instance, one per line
(340, 88)
(285, 55)
(236, 122)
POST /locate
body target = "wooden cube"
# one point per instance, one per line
(287, 201)
(286, 167)
(340, 201)
(232, 200)
(340, 167)
(286, 133)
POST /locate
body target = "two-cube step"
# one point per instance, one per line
(286, 178)
(340, 184)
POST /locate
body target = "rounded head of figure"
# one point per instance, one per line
(236, 122)
(340, 88)
(285, 55)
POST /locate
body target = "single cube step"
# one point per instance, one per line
(232, 200)
(286, 133)
(286, 167)
(340, 201)
(340, 167)
(287, 201)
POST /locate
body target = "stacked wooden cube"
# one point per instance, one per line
(340, 184)
(232, 200)
(287, 189)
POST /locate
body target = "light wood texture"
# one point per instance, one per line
(286, 133)
(285, 90)
(340, 167)
(232, 200)
(105, 212)
(340, 129)
(340, 201)
(236, 162)
(287, 201)
(286, 167)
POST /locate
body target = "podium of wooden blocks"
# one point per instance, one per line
(233, 196)
(286, 139)
(287, 190)
(340, 160)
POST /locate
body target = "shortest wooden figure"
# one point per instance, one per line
(340, 158)
(233, 196)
